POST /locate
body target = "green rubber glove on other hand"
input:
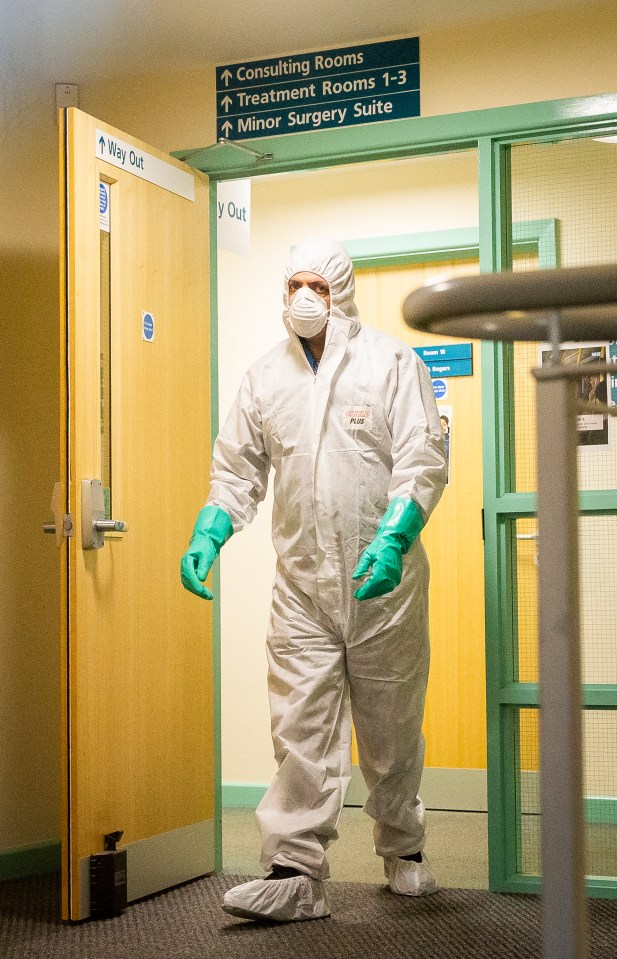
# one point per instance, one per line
(383, 558)
(211, 531)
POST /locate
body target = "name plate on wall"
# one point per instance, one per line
(452, 359)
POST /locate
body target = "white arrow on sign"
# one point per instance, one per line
(226, 76)
(226, 102)
(227, 128)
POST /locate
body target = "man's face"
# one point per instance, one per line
(313, 281)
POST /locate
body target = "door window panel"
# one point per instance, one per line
(573, 184)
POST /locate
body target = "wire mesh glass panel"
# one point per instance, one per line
(600, 787)
(525, 459)
(528, 793)
(526, 660)
(596, 431)
(574, 181)
(598, 599)
(600, 793)
(569, 190)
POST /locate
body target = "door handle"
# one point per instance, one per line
(62, 525)
(110, 526)
(531, 536)
(94, 525)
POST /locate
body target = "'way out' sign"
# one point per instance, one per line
(127, 157)
(233, 216)
(326, 89)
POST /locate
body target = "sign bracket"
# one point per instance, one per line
(225, 142)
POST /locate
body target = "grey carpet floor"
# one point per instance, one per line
(367, 920)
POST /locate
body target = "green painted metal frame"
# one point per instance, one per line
(503, 506)
(492, 133)
(504, 821)
(404, 138)
(216, 581)
(434, 246)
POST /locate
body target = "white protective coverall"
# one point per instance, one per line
(342, 442)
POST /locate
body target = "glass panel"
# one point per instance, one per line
(528, 793)
(598, 599)
(600, 791)
(525, 358)
(600, 785)
(569, 189)
(526, 531)
(574, 181)
(105, 346)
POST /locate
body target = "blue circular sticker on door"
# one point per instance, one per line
(440, 389)
(147, 326)
(103, 198)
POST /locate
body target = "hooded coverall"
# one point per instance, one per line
(342, 442)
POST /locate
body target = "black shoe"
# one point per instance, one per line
(416, 857)
(284, 872)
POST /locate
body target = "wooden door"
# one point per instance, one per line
(138, 729)
(455, 715)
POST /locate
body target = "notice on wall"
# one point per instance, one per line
(445, 415)
(233, 216)
(612, 358)
(322, 90)
(593, 389)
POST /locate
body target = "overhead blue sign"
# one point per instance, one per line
(321, 90)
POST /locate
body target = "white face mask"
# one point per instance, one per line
(308, 312)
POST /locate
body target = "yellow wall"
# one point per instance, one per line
(455, 735)
(541, 58)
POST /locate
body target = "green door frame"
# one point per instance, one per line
(492, 133)
(502, 507)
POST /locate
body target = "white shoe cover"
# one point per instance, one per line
(280, 900)
(408, 878)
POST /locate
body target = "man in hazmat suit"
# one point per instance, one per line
(347, 418)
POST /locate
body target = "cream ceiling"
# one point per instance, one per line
(75, 40)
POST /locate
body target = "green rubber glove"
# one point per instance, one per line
(383, 558)
(211, 531)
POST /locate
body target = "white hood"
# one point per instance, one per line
(328, 259)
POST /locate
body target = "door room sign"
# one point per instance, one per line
(449, 360)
